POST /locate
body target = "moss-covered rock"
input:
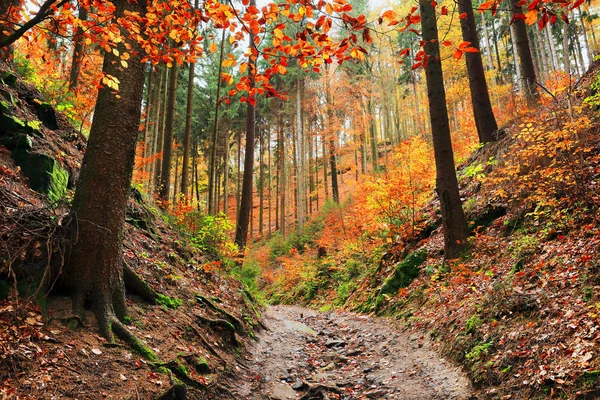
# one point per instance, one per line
(404, 274)
(46, 114)
(20, 141)
(201, 366)
(4, 107)
(11, 125)
(9, 78)
(45, 174)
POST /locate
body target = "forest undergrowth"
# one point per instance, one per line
(519, 310)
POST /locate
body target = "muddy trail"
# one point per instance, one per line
(304, 354)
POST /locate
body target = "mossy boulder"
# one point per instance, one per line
(4, 107)
(45, 174)
(9, 78)
(20, 141)
(46, 114)
(11, 125)
(404, 274)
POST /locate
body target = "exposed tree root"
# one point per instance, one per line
(320, 392)
(136, 285)
(175, 392)
(205, 342)
(223, 325)
(226, 315)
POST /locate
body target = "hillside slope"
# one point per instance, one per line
(191, 321)
(520, 309)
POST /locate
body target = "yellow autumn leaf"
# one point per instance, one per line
(213, 47)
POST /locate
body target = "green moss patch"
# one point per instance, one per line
(169, 302)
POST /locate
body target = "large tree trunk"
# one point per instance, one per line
(165, 178)
(95, 266)
(243, 218)
(453, 217)
(525, 58)
(480, 96)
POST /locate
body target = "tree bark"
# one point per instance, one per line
(165, 179)
(513, 40)
(485, 120)
(453, 217)
(77, 50)
(243, 219)
(525, 59)
(95, 266)
(160, 129)
(214, 142)
(332, 150)
(187, 138)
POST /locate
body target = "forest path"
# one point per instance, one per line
(312, 355)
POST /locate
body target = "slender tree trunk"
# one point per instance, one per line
(566, 58)
(270, 192)
(579, 56)
(513, 40)
(311, 167)
(496, 39)
(373, 136)
(281, 172)
(187, 138)
(241, 231)
(332, 148)
(588, 52)
(301, 154)
(238, 192)
(542, 50)
(162, 107)
(324, 159)
(261, 178)
(95, 266)
(213, 153)
(413, 75)
(175, 175)
(525, 59)
(453, 217)
(480, 97)
(486, 42)
(165, 178)
(226, 173)
(196, 179)
(78, 48)
(149, 93)
(553, 55)
(151, 125)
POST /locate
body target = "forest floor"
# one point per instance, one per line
(307, 354)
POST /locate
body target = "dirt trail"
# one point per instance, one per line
(310, 355)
